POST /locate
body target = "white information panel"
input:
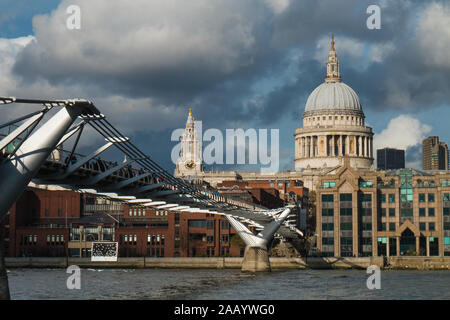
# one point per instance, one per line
(104, 251)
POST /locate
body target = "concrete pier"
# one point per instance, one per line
(274, 263)
(255, 259)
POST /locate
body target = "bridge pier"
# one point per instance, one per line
(256, 259)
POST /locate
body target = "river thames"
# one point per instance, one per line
(169, 284)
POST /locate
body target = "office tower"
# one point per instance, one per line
(388, 158)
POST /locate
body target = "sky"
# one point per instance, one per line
(237, 64)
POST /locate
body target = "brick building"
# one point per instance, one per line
(59, 222)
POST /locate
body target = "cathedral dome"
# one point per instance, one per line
(331, 96)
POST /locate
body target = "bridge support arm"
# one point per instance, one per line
(18, 171)
(256, 257)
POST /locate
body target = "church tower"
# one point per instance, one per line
(190, 163)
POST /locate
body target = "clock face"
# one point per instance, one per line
(190, 165)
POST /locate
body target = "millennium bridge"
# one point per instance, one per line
(33, 152)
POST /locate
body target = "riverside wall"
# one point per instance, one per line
(276, 263)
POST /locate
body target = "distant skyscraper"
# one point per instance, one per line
(434, 154)
(388, 158)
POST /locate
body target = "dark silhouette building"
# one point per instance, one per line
(388, 158)
(434, 154)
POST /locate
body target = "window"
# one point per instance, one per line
(382, 227)
(130, 212)
(162, 239)
(327, 198)
(224, 224)
(327, 226)
(210, 224)
(210, 238)
(391, 212)
(391, 226)
(346, 211)
(422, 226)
(366, 226)
(125, 238)
(366, 197)
(383, 212)
(446, 212)
(391, 198)
(365, 184)
(431, 212)
(383, 198)
(431, 226)
(327, 241)
(446, 196)
(149, 238)
(345, 197)
(421, 197)
(327, 212)
(197, 223)
(445, 183)
(328, 184)
(346, 226)
(422, 212)
(431, 197)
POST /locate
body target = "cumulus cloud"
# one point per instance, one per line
(433, 34)
(403, 132)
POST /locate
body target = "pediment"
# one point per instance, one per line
(345, 187)
(410, 225)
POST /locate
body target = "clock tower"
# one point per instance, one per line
(190, 164)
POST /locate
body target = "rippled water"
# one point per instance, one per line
(227, 284)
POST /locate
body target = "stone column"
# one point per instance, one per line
(398, 246)
(359, 146)
(311, 146)
(347, 145)
(365, 147)
(417, 245)
(303, 146)
(332, 146)
(340, 145)
(428, 246)
(299, 147)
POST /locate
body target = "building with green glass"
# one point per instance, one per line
(383, 213)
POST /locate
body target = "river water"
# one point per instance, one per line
(226, 284)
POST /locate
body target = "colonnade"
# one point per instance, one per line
(334, 145)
